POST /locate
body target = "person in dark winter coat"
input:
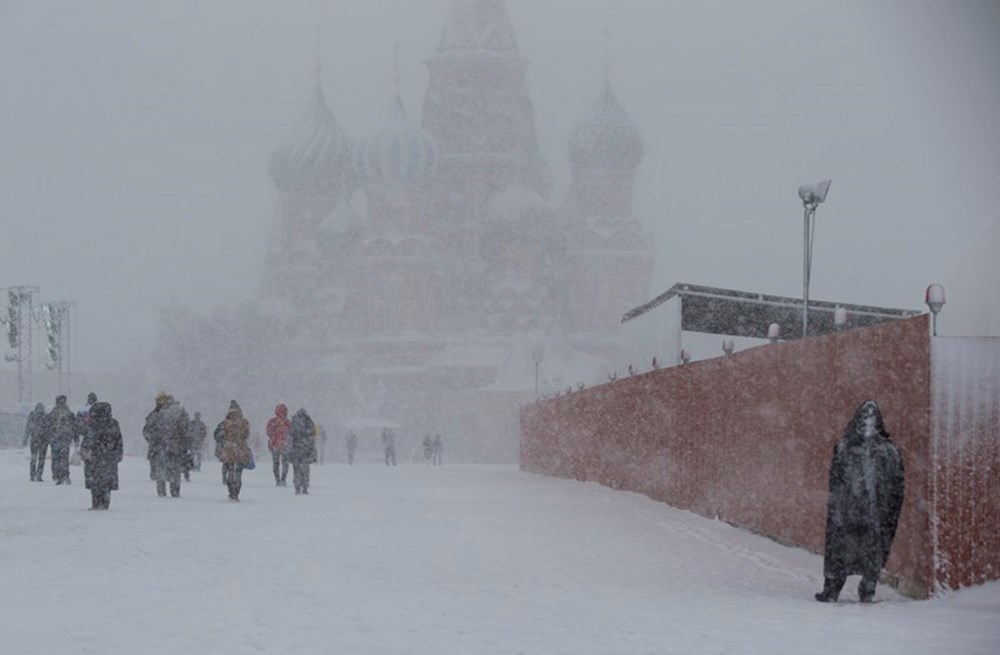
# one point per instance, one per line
(234, 452)
(166, 432)
(36, 437)
(63, 431)
(277, 442)
(866, 496)
(352, 445)
(303, 450)
(197, 433)
(101, 451)
(389, 445)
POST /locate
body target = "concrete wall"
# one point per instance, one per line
(748, 438)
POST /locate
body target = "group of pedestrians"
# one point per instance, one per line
(292, 442)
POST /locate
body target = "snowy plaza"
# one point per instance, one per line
(420, 559)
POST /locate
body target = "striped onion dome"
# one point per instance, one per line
(400, 153)
(317, 156)
(606, 136)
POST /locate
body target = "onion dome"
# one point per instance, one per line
(318, 155)
(399, 154)
(606, 136)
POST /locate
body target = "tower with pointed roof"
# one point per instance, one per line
(437, 293)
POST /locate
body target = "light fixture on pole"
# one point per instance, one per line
(728, 346)
(934, 297)
(812, 196)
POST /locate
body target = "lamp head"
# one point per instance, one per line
(814, 194)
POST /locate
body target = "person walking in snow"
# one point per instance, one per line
(197, 434)
(63, 431)
(234, 451)
(428, 447)
(866, 496)
(36, 437)
(166, 432)
(277, 438)
(437, 450)
(101, 451)
(352, 445)
(303, 449)
(389, 445)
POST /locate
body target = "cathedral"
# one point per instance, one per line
(440, 286)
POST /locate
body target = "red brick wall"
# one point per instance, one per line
(748, 438)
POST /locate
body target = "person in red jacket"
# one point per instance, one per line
(278, 443)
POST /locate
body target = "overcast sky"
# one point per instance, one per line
(135, 136)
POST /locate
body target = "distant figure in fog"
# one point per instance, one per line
(303, 438)
(277, 438)
(321, 438)
(62, 428)
(101, 451)
(389, 445)
(428, 447)
(36, 436)
(352, 445)
(437, 450)
(197, 434)
(234, 451)
(866, 496)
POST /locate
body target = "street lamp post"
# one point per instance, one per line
(812, 195)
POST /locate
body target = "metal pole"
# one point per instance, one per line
(805, 274)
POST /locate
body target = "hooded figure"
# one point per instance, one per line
(36, 436)
(866, 496)
(303, 450)
(101, 451)
(234, 449)
(279, 443)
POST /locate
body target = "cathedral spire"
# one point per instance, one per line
(478, 26)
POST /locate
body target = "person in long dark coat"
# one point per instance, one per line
(101, 451)
(63, 431)
(866, 496)
(36, 437)
(303, 452)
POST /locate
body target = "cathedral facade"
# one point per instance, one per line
(437, 284)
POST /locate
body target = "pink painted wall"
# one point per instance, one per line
(748, 438)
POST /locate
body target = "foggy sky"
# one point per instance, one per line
(136, 135)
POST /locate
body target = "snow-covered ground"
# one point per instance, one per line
(415, 559)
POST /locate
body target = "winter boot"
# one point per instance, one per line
(831, 590)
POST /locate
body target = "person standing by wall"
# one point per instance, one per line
(302, 435)
(101, 451)
(36, 437)
(277, 434)
(866, 496)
